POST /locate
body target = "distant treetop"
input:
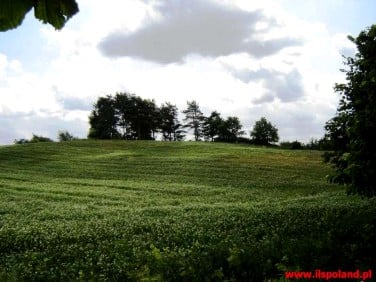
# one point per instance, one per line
(264, 133)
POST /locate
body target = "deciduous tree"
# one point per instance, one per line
(230, 130)
(124, 116)
(264, 133)
(103, 119)
(351, 132)
(212, 126)
(169, 123)
(65, 136)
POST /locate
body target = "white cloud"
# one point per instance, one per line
(199, 27)
(18, 125)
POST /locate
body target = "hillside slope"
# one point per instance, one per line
(113, 210)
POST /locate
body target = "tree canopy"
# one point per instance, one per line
(53, 12)
(215, 128)
(169, 124)
(127, 116)
(34, 139)
(264, 133)
(212, 126)
(351, 132)
(104, 120)
(64, 135)
(124, 116)
(194, 118)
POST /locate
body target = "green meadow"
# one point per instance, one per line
(175, 211)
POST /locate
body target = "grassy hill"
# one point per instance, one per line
(116, 210)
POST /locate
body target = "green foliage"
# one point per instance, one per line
(212, 126)
(12, 13)
(295, 145)
(37, 139)
(131, 117)
(140, 116)
(127, 116)
(103, 119)
(215, 128)
(230, 130)
(264, 133)
(34, 139)
(186, 211)
(54, 12)
(194, 119)
(169, 123)
(351, 131)
(21, 141)
(65, 136)
(322, 144)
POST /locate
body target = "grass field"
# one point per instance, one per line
(116, 210)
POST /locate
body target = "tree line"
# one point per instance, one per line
(127, 116)
(62, 136)
(130, 117)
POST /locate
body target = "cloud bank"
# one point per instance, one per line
(205, 28)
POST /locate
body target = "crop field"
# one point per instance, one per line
(184, 211)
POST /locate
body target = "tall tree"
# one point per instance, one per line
(352, 130)
(212, 126)
(169, 123)
(230, 130)
(194, 119)
(143, 121)
(123, 109)
(54, 12)
(124, 116)
(136, 116)
(103, 119)
(264, 133)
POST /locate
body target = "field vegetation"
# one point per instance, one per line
(175, 211)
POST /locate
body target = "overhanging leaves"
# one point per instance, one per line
(12, 12)
(54, 12)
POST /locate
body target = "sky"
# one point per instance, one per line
(277, 59)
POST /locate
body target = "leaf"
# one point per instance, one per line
(12, 13)
(54, 12)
